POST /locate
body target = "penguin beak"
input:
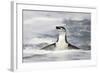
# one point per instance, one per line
(57, 27)
(60, 29)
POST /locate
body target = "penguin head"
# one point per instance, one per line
(61, 29)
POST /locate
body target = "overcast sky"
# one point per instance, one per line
(28, 14)
(43, 22)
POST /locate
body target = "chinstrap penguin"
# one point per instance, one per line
(61, 43)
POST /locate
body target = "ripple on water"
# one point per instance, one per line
(64, 55)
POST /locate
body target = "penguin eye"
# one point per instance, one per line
(62, 28)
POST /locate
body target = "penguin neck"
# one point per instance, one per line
(62, 38)
(61, 44)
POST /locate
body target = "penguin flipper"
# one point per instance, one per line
(72, 47)
(49, 47)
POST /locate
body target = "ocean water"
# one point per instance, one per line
(32, 50)
(65, 55)
(36, 37)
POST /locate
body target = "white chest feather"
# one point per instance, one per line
(61, 44)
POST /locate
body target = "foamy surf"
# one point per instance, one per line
(30, 52)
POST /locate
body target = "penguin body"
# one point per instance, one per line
(61, 43)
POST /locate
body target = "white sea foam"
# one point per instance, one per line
(58, 54)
